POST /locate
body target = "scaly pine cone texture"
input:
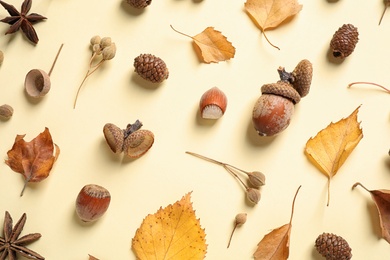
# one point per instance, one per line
(139, 4)
(151, 68)
(333, 247)
(344, 41)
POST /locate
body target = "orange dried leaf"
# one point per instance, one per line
(276, 244)
(92, 257)
(34, 159)
(329, 149)
(382, 202)
(268, 14)
(171, 233)
(212, 45)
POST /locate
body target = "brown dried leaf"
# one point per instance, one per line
(329, 149)
(382, 202)
(268, 14)
(171, 233)
(276, 244)
(34, 159)
(212, 45)
(92, 257)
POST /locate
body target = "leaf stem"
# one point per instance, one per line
(181, 32)
(369, 83)
(265, 35)
(26, 180)
(231, 235)
(206, 158)
(293, 203)
(55, 60)
(327, 204)
(361, 185)
(387, 4)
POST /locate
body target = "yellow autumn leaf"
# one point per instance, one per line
(268, 14)
(171, 233)
(211, 45)
(329, 149)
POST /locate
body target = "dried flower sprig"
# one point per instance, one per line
(102, 47)
(255, 178)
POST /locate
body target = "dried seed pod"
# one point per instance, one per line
(114, 137)
(6, 112)
(105, 42)
(256, 179)
(344, 41)
(333, 247)
(92, 202)
(108, 53)
(253, 195)
(95, 40)
(151, 68)
(138, 143)
(139, 4)
(239, 220)
(213, 104)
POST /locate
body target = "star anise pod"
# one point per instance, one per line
(10, 244)
(22, 20)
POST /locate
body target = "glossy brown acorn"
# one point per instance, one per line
(92, 202)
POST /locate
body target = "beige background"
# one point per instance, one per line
(117, 95)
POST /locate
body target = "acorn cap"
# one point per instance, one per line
(282, 88)
(139, 4)
(302, 76)
(114, 137)
(138, 143)
(37, 83)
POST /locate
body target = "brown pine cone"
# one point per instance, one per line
(151, 68)
(301, 77)
(139, 4)
(333, 247)
(344, 41)
(282, 88)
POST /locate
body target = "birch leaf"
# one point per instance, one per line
(212, 45)
(171, 233)
(34, 159)
(382, 203)
(329, 149)
(276, 244)
(268, 14)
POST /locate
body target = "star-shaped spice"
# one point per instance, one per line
(10, 244)
(22, 20)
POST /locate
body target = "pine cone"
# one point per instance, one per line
(333, 247)
(282, 88)
(344, 41)
(301, 77)
(151, 68)
(139, 4)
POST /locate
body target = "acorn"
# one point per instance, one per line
(151, 68)
(213, 104)
(92, 202)
(344, 41)
(273, 110)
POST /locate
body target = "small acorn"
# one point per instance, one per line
(92, 202)
(273, 110)
(213, 104)
(344, 41)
